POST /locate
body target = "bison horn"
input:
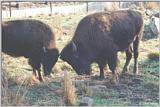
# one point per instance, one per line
(44, 49)
(74, 47)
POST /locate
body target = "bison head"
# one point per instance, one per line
(72, 55)
(49, 59)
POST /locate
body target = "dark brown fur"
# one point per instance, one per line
(32, 39)
(100, 36)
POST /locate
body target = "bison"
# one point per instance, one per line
(32, 39)
(99, 37)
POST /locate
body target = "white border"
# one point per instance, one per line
(72, 1)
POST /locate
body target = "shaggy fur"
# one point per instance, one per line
(31, 39)
(100, 36)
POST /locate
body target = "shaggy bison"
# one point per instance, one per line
(100, 36)
(33, 40)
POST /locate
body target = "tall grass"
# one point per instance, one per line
(152, 5)
(8, 97)
(4, 87)
(57, 26)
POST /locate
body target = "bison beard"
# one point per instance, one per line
(33, 40)
(100, 36)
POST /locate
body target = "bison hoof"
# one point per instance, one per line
(115, 79)
(125, 70)
(101, 77)
(40, 79)
(135, 71)
(33, 80)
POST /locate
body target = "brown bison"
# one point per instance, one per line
(33, 40)
(100, 36)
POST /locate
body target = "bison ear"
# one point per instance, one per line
(74, 47)
(44, 49)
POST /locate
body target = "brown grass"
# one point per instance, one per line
(152, 5)
(14, 99)
(56, 24)
(4, 86)
(8, 97)
(69, 90)
(114, 7)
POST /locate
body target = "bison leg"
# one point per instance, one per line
(36, 67)
(34, 72)
(128, 58)
(39, 75)
(112, 62)
(101, 66)
(34, 75)
(136, 53)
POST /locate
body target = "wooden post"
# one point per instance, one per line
(74, 7)
(10, 14)
(17, 5)
(46, 2)
(87, 6)
(119, 4)
(51, 7)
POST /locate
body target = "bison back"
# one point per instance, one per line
(108, 30)
(22, 37)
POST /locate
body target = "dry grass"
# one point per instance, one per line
(114, 7)
(141, 6)
(8, 97)
(69, 90)
(152, 5)
(56, 24)
(4, 87)
(14, 99)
